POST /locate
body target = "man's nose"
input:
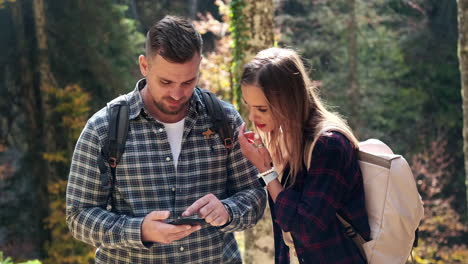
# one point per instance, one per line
(177, 93)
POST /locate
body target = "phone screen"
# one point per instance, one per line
(188, 221)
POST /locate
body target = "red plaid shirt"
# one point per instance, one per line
(307, 209)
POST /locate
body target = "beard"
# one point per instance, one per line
(170, 111)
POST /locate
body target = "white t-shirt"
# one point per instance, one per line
(174, 133)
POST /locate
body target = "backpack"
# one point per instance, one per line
(118, 119)
(393, 203)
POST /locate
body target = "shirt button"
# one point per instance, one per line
(160, 130)
(168, 159)
(173, 189)
(181, 248)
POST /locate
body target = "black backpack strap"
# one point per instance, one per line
(218, 117)
(353, 235)
(118, 118)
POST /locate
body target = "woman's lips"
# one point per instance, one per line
(260, 125)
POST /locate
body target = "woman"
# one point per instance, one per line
(304, 198)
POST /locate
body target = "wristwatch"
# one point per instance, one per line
(267, 176)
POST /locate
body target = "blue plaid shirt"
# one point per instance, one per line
(147, 180)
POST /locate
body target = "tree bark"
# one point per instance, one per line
(31, 103)
(259, 32)
(193, 9)
(463, 62)
(258, 18)
(353, 89)
(47, 139)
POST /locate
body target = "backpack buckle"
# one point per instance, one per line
(228, 142)
(112, 162)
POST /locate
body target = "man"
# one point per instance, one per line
(171, 167)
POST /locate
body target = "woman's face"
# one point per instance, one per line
(259, 110)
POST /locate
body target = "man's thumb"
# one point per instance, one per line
(159, 215)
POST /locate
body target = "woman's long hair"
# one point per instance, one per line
(298, 112)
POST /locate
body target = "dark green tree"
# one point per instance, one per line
(48, 46)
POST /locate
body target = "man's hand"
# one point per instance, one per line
(153, 229)
(210, 208)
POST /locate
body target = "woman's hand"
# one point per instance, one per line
(255, 152)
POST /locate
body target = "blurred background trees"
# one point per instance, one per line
(389, 66)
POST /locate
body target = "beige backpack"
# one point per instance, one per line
(393, 203)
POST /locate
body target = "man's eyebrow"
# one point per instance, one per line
(164, 79)
(191, 80)
(167, 80)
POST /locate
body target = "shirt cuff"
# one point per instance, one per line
(235, 217)
(133, 233)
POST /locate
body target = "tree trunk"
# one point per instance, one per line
(463, 62)
(255, 28)
(193, 9)
(255, 32)
(34, 133)
(46, 85)
(353, 89)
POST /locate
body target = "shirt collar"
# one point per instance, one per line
(137, 107)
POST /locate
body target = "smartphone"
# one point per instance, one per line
(188, 220)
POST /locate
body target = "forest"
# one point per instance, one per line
(395, 69)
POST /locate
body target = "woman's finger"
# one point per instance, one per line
(265, 156)
(241, 130)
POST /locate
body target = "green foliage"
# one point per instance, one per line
(443, 234)
(8, 260)
(319, 31)
(238, 29)
(215, 69)
(93, 49)
(63, 248)
(150, 11)
(3, 3)
(72, 108)
(95, 46)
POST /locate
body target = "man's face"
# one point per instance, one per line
(169, 86)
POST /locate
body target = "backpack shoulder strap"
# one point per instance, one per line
(118, 116)
(309, 145)
(218, 117)
(114, 147)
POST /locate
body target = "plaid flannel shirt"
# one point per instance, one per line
(308, 208)
(147, 180)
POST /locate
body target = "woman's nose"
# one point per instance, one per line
(251, 116)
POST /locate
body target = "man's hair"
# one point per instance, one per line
(174, 38)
